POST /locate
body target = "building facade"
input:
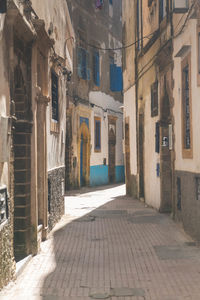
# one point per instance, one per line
(36, 59)
(186, 57)
(161, 88)
(95, 154)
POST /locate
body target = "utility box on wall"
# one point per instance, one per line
(180, 6)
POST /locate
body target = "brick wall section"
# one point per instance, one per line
(7, 263)
(56, 205)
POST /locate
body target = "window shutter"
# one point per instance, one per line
(157, 137)
(112, 77)
(84, 64)
(154, 99)
(87, 65)
(96, 69)
(79, 64)
(119, 79)
(116, 81)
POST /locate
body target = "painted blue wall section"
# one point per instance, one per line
(119, 174)
(98, 175)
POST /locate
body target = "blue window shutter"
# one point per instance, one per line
(119, 79)
(112, 77)
(96, 69)
(87, 65)
(116, 81)
(84, 64)
(79, 64)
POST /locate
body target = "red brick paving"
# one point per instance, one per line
(87, 255)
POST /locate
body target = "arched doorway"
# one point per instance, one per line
(84, 154)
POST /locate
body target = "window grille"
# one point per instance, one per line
(3, 205)
(54, 94)
(186, 107)
(197, 188)
(157, 137)
(154, 99)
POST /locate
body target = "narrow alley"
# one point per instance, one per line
(109, 246)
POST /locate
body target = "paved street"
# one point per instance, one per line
(109, 246)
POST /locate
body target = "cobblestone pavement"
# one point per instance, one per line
(109, 246)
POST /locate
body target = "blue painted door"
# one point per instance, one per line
(81, 161)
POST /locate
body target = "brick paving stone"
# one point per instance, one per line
(109, 241)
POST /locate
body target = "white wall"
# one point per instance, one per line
(106, 102)
(56, 12)
(151, 158)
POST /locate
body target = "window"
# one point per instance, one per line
(96, 75)
(99, 3)
(186, 109)
(139, 40)
(157, 137)
(154, 99)
(116, 80)
(97, 134)
(162, 9)
(54, 95)
(178, 187)
(198, 55)
(3, 205)
(3, 6)
(197, 188)
(83, 64)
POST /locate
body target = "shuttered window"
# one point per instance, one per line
(96, 69)
(154, 99)
(186, 107)
(97, 134)
(116, 80)
(83, 64)
(54, 95)
(157, 137)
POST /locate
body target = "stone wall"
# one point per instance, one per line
(7, 263)
(187, 204)
(56, 179)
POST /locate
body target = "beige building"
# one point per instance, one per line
(186, 110)
(161, 90)
(148, 99)
(36, 46)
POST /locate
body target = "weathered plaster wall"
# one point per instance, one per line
(130, 111)
(188, 37)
